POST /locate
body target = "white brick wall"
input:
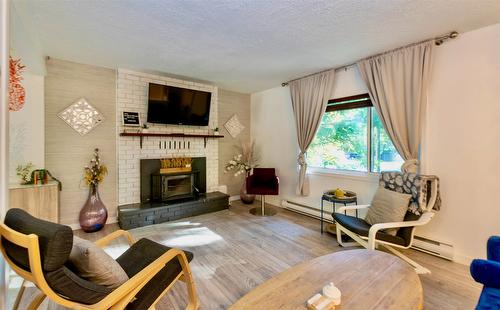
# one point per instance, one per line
(132, 89)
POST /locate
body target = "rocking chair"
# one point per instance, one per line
(425, 199)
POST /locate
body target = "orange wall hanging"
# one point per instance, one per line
(17, 94)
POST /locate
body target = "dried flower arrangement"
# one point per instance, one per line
(244, 161)
(95, 172)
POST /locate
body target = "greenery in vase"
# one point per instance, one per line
(244, 161)
(24, 172)
(95, 171)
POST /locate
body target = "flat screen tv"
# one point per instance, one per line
(179, 106)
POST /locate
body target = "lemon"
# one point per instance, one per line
(339, 193)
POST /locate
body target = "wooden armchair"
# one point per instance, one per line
(425, 200)
(38, 251)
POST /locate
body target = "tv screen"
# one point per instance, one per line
(179, 106)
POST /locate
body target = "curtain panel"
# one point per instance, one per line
(310, 96)
(397, 82)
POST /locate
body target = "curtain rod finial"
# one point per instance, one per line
(284, 84)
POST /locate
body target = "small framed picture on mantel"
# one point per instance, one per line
(131, 119)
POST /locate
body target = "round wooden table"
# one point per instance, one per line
(367, 279)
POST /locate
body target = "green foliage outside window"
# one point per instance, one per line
(341, 143)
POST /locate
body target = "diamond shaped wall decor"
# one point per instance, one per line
(81, 116)
(233, 126)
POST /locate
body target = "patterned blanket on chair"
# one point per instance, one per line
(417, 185)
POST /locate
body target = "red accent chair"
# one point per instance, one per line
(263, 182)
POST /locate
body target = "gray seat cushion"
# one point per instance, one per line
(362, 228)
(140, 255)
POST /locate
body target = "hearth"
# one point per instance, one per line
(169, 194)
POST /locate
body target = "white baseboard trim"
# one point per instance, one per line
(76, 226)
(234, 198)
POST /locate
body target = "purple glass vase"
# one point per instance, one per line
(94, 214)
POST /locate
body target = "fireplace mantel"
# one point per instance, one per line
(141, 135)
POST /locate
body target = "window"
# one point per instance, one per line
(351, 137)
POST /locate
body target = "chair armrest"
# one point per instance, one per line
(494, 248)
(424, 219)
(112, 236)
(127, 291)
(355, 207)
(486, 272)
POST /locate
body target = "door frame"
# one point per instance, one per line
(4, 135)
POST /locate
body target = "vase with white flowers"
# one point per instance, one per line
(242, 164)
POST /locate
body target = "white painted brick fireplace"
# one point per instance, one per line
(132, 89)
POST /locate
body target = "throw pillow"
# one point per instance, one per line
(388, 206)
(94, 264)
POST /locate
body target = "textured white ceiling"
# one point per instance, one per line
(245, 46)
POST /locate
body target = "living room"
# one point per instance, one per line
(300, 113)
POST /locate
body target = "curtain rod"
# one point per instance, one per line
(438, 41)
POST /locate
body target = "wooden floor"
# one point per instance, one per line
(235, 251)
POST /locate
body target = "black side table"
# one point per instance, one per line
(350, 197)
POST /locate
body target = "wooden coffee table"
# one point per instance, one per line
(367, 279)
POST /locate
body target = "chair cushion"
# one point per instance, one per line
(139, 256)
(489, 299)
(65, 282)
(55, 240)
(94, 264)
(388, 206)
(362, 228)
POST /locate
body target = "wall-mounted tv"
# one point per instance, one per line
(179, 106)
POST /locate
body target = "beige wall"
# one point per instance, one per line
(231, 103)
(66, 152)
(460, 145)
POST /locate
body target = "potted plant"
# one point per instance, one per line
(243, 163)
(144, 128)
(94, 214)
(24, 172)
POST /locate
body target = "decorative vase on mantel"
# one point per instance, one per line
(244, 196)
(94, 214)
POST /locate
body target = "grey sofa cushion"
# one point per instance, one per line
(65, 282)
(139, 256)
(388, 206)
(55, 240)
(94, 264)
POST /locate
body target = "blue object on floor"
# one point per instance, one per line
(487, 272)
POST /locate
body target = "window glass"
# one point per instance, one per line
(384, 154)
(341, 141)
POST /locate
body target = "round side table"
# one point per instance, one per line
(350, 198)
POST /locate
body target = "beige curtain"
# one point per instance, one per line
(310, 96)
(397, 82)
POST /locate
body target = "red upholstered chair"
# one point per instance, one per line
(263, 182)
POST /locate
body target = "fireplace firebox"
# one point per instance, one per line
(157, 187)
(173, 186)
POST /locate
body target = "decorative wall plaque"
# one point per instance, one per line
(81, 116)
(233, 126)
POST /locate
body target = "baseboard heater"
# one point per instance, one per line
(429, 246)
(437, 248)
